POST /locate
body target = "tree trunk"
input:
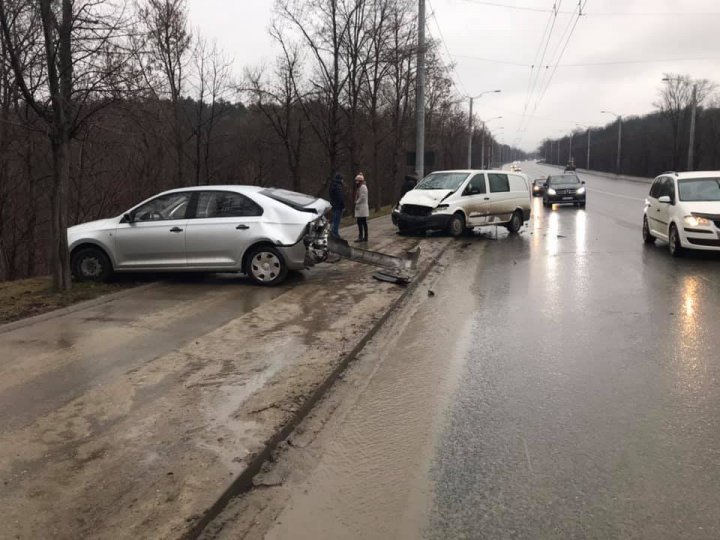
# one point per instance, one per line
(59, 256)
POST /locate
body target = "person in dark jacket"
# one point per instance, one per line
(337, 201)
(409, 184)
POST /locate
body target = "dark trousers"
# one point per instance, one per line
(336, 217)
(362, 228)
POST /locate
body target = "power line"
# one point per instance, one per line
(588, 64)
(598, 14)
(580, 8)
(451, 67)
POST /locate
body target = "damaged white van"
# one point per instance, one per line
(458, 201)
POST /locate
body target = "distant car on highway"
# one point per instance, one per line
(684, 210)
(538, 186)
(263, 232)
(458, 201)
(564, 189)
(515, 167)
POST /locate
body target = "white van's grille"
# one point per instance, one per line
(415, 210)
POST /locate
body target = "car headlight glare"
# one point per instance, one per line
(551, 191)
(440, 208)
(693, 221)
(580, 191)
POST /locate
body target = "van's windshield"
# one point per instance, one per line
(699, 189)
(447, 180)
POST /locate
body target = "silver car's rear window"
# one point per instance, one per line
(293, 199)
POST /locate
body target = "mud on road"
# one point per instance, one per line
(144, 448)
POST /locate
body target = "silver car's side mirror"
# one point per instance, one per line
(665, 200)
(127, 218)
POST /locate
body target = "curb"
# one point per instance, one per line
(75, 307)
(243, 482)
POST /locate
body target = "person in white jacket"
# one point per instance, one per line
(362, 207)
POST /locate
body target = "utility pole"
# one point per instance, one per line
(587, 161)
(420, 95)
(470, 135)
(693, 114)
(482, 148)
(558, 150)
(619, 140)
(570, 148)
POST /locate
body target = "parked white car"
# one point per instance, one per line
(458, 201)
(263, 232)
(684, 210)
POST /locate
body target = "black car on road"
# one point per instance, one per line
(564, 189)
(538, 186)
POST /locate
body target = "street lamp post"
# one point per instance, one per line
(482, 144)
(693, 114)
(619, 140)
(587, 158)
(470, 124)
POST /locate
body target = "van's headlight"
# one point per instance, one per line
(693, 221)
(440, 208)
(551, 191)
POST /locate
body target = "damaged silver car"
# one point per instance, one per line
(262, 232)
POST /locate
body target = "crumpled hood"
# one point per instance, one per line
(98, 225)
(425, 197)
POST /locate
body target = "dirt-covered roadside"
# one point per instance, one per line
(148, 452)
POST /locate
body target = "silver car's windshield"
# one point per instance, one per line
(450, 181)
(699, 189)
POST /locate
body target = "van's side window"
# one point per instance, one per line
(517, 183)
(476, 185)
(498, 183)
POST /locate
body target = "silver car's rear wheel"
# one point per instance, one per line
(266, 266)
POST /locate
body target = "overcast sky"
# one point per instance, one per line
(623, 48)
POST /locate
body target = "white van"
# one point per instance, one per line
(458, 201)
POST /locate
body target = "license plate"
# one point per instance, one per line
(567, 198)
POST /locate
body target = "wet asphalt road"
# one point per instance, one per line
(560, 383)
(589, 405)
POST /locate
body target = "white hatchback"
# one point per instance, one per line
(684, 210)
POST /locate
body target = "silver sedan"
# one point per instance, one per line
(262, 232)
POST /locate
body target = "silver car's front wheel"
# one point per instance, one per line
(266, 266)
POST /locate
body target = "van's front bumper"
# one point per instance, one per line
(430, 222)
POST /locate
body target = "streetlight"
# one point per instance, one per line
(619, 145)
(482, 145)
(587, 159)
(470, 123)
(693, 114)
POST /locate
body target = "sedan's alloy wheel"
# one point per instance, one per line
(91, 267)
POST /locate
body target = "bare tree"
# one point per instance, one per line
(167, 48)
(83, 60)
(279, 103)
(212, 84)
(674, 100)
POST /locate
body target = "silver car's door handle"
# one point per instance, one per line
(242, 227)
(486, 198)
(176, 229)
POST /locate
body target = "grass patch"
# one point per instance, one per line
(384, 211)
(27, 297)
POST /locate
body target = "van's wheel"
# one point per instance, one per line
(457, 225)
(91, 264)
(648, 238)
(266, 266)
(674, 245)
(515, 222)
